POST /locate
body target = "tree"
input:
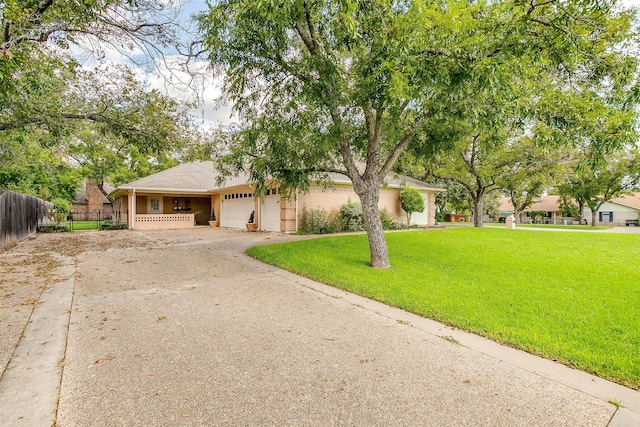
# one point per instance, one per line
(411, 201)
(346, 86)
(28, 167)
(105, 118)
(593, 183)
(536, 171)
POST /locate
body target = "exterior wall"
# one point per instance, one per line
(331, 199)
(620, 214)
(199, 206)
(141, 204)
(215, 205)
(289, 223)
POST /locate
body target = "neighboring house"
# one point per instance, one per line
(620, 211)
(89, 200)
(548, 204)
(183, 196)
(623, 210)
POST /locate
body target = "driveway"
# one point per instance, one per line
(181, 328)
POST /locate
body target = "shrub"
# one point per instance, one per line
(351, 217)
(61, 205)
(112, 226)
(317, 221)
(411, 201)
(52, 228)
(388, 220)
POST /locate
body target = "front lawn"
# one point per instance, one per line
(572, 297)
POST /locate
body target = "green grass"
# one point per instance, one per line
(556, 226)
(84, 225)
(571, 297)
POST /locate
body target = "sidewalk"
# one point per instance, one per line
(182, 329)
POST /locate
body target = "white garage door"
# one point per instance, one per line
(421, 218)
(271, 211)
(236, 209)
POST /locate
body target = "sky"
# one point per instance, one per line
(164, 72)
(166, 75)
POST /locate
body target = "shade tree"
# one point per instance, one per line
(348, 86)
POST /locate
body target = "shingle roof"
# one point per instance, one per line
(201, 176)
(632, 200)
(547, 204)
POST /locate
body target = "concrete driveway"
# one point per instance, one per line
(181, 328)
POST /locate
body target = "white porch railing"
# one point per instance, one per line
(163, 221)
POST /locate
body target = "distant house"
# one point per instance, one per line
(184, 196)
(89, 200)
(624, 210)
(548, 204)
(620, 211)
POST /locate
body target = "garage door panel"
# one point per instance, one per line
(235, 212)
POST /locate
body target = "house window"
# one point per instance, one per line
(606, 216)
(155, 205)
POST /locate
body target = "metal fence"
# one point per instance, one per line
(20, 216)
(96, 219)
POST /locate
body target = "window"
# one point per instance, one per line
(606, 216)
(155, 205)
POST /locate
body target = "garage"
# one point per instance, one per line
(421, 218)
(270, 220)
(236, 209)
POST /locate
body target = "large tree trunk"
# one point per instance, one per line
(594, 215)
(478, 207)
(369, 197)
(581, 208)
(516, 214)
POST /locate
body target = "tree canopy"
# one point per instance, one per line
(347, 86)
(103, 119)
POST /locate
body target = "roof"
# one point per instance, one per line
(630, 200)
(392, 180)
(202, 177)
(192, 176)
(551, 203)
(544, 203)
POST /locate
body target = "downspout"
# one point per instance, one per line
(296, 213)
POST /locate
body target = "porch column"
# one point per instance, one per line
(132, 208)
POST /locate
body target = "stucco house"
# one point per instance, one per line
(183, 196)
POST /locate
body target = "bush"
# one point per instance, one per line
(351, 217)
(317, 221)
(112, 226)
(411, 201)
(388, 220)
(52, 228)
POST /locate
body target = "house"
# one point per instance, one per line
(184, 196)
(549, 204)
(89, 202)
(619, 211)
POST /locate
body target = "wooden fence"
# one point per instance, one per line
(20, 215)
